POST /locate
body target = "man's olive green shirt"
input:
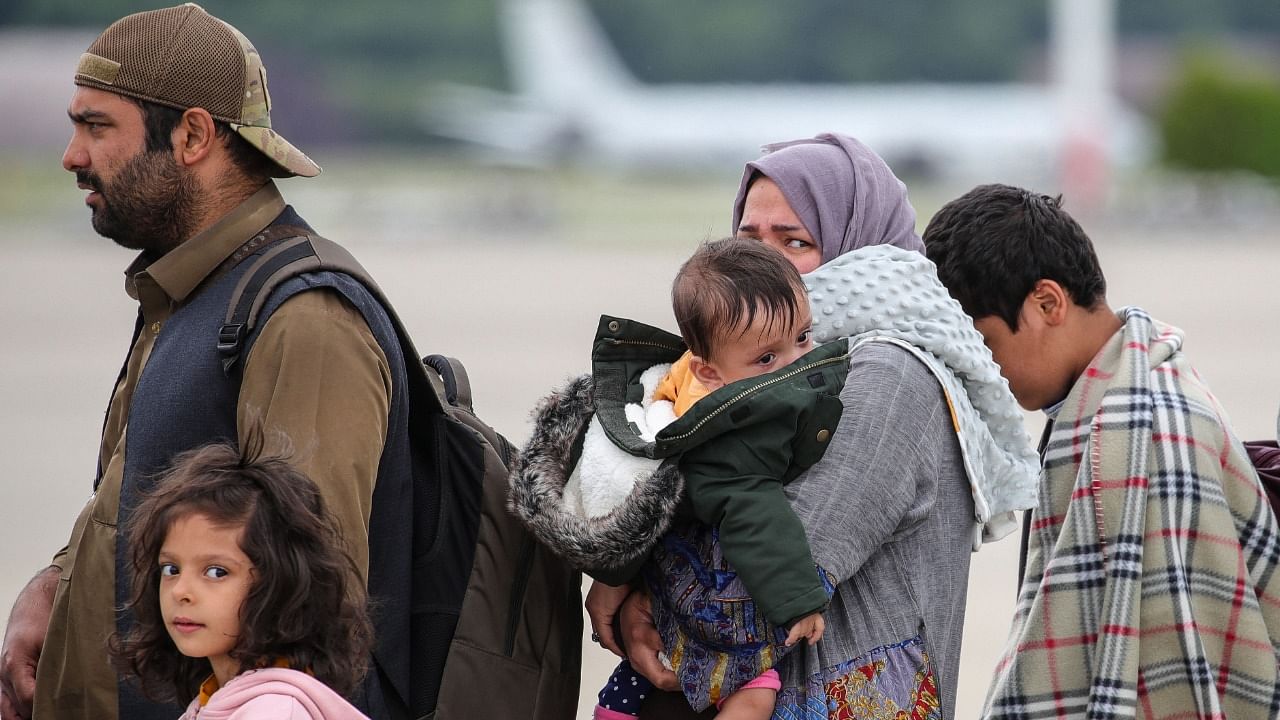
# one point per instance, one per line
(315, 374)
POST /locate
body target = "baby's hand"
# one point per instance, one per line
(809, 626)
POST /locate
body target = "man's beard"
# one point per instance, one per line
(149, 205)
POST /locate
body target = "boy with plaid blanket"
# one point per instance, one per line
(1150, 587)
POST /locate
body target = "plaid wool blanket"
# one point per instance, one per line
(1151, 588)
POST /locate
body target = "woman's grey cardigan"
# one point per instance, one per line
(889, 512)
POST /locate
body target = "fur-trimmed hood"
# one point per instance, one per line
(613, 543)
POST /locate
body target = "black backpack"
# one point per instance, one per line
(513, 649)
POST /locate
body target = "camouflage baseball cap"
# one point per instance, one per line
(183, 57)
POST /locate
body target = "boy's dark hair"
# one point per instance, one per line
(993, 243)
(158, 122)
(725, 283)
(306, 604)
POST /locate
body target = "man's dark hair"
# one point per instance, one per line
(160, 120)
(725, 284)
(993, 243)
(306, 604)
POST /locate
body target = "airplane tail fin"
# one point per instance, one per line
(558, 54)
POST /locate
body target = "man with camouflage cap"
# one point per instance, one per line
(172, 138)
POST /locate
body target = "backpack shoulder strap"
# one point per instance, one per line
(293, 251)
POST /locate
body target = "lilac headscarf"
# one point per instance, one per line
(846, 196)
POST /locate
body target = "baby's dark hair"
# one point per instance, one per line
(723, 286)
(307, 602)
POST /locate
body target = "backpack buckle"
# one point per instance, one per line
(229, 338)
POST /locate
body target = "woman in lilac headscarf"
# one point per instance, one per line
(904, 490)
(819, 198)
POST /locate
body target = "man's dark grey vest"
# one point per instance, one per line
(184, 399)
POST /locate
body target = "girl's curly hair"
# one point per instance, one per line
(307, 603)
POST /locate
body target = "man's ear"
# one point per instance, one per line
(1048, 302)
(706, 374)
(195, 137)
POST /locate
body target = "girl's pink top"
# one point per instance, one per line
(275, 693)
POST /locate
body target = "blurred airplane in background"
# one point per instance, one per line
(575, 101)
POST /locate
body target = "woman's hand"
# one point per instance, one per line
(602, 603)
(642, 642)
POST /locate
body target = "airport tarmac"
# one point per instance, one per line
(521, 316)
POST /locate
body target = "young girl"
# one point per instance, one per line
(245, 604)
